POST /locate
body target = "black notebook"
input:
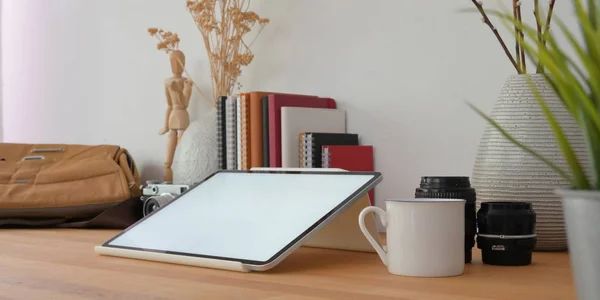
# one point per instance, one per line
(265, 130)
(221, 135)
(311, 146)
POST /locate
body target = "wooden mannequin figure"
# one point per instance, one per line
(178, 90)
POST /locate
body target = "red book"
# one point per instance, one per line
(350, 158)
(276, 101)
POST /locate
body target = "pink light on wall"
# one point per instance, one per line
(25, 70)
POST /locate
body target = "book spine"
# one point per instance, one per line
(326, 157)
(238, 142)
(265, 131)
(220, 158)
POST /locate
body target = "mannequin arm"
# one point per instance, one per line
(169, 108)
(187, 92)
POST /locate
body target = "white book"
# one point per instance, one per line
(296, 120)
(230, 133)
(238, 133)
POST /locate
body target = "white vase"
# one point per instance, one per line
(582, 215)
(504, 172)
(196, 153)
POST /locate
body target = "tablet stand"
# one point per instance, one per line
(343, 232)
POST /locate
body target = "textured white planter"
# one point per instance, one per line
(504, 172)
(582, 215)
(196, 154)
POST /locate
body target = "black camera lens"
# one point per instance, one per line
(155, 202)
(455, 187)
(506, 233)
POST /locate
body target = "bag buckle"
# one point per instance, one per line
(33, 157)
(48, 150)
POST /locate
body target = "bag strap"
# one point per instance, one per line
(127, 164)
(119, 216)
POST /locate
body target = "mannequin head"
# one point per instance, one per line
(177, 62)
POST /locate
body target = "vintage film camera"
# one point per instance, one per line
(157, 194)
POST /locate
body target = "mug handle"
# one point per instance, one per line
(361, 222)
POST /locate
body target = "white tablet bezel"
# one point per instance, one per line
(170, 256)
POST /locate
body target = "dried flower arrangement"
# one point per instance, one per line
(223, 25)
(169, 42)
(542, 32)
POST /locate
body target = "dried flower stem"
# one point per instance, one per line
(487, 21)
(548, 19)
(538, 22)
(517, 44)
(538, 25)
(193, 81)
(168, 42)
(522, 54)
(223, 25)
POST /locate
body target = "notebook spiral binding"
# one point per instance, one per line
(220, 158)
(325, 157)
(244, 130)
(230, 110)
(307, 151)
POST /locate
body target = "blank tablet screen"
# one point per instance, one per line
(244, 216)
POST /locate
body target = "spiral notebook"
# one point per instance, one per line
(350, 158)
(295, 120)
(231, 132)
(244, 122)
(221, 134)
(311, 144)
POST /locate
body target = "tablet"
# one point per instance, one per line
(242, 220)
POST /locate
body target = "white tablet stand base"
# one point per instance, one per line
(343, 232)
(174, 259)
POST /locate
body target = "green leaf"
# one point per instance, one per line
(589, 65)
(565, 82)
(581, 181)
(588, 30)
(521, 145)
(594, 13)
(592, 137)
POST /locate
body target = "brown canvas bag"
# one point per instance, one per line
(80, 186)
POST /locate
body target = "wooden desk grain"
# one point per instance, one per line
(61, 264)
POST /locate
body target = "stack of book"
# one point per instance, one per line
(263, 129)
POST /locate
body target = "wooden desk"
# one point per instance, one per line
(61, 264)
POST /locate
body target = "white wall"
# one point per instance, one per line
(87, 72)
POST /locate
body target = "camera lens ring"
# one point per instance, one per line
(506, 233)
(154, 203)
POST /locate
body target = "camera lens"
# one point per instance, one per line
(155, 202)
(506, 233)
(453, 188)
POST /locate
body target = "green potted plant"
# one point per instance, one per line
(502, 171)
(576, 80)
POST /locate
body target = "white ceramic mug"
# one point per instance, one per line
(425, 237)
